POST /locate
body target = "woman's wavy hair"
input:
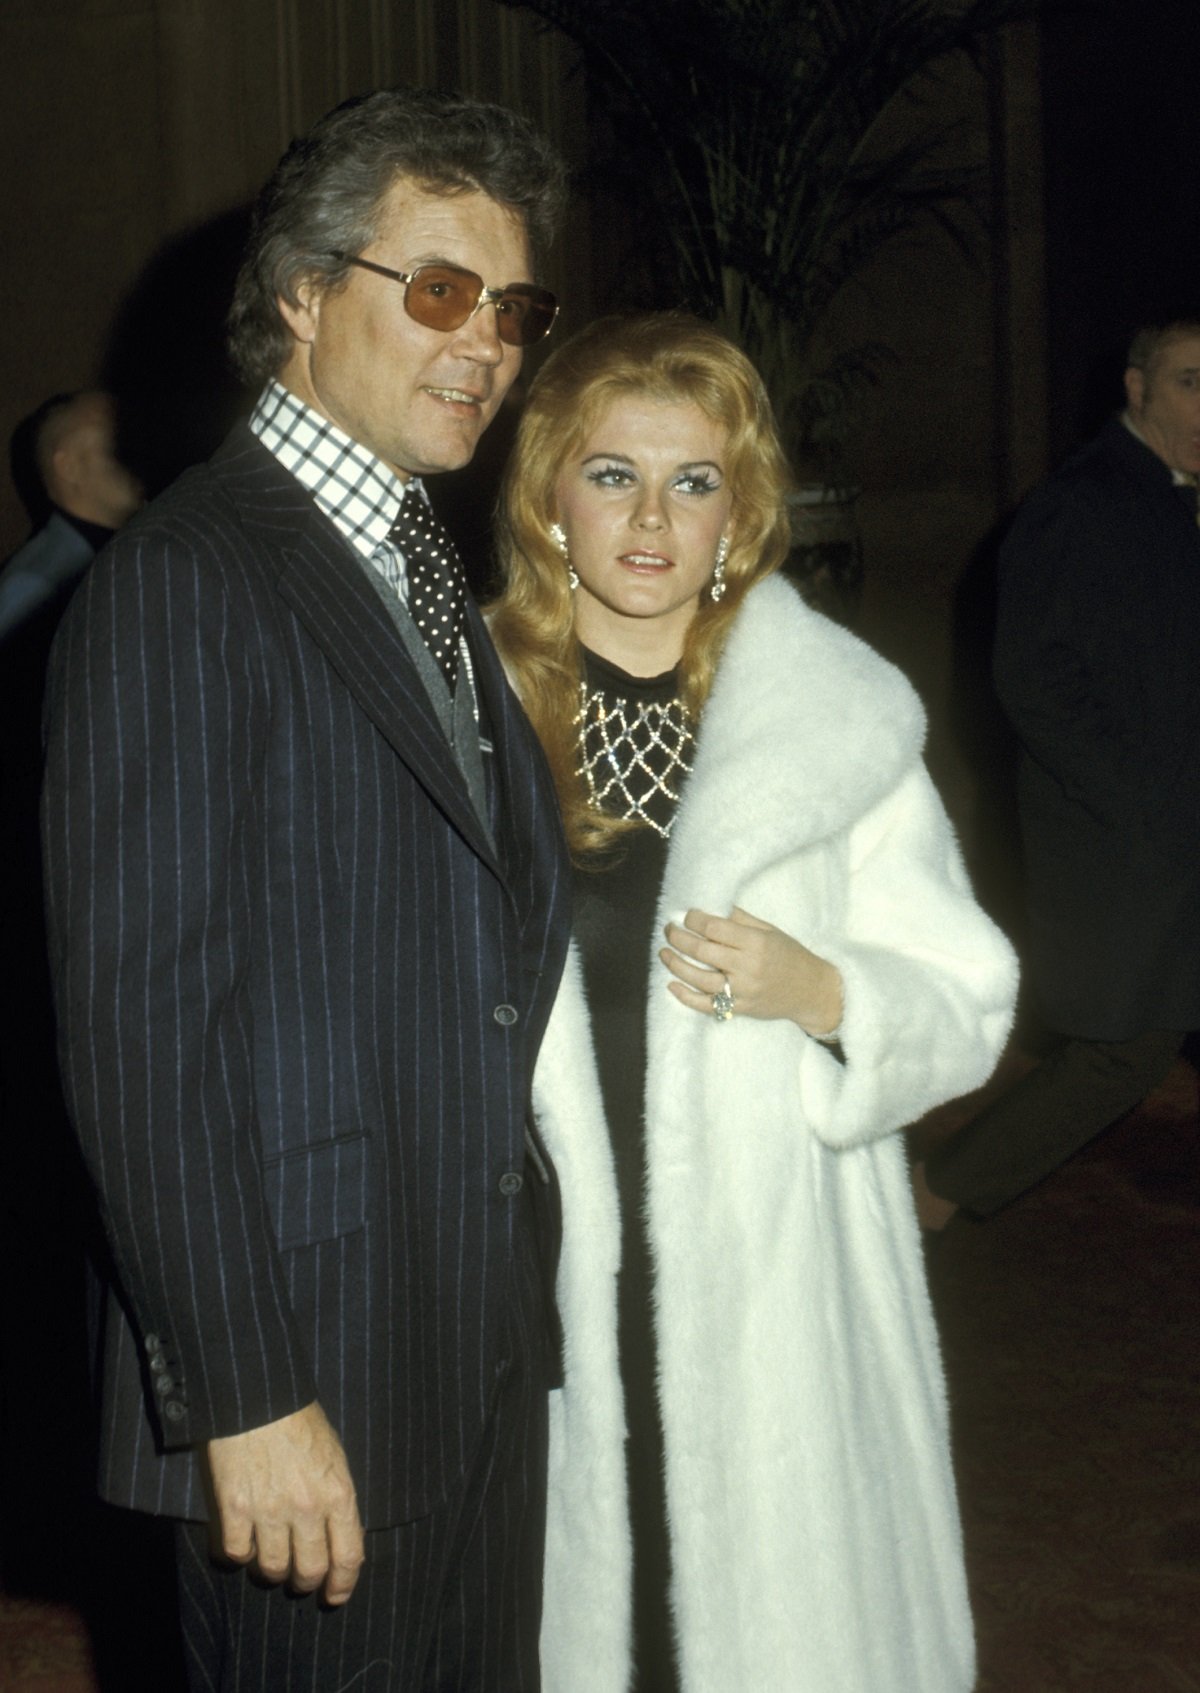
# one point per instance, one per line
(668, 357)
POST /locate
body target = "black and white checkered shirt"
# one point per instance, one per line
(349, 484)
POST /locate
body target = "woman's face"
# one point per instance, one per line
(644, 504)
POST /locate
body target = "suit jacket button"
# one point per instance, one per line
(164, 1385)
(510, 1183)
(158, 1363)
(174, 1411)
(506, 1014)
(153, 1344)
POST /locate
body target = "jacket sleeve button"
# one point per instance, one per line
(174, 1411)
(505, 1014)
(510, 1183)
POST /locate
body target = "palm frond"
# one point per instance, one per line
(772, 152)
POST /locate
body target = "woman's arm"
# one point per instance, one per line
(917, 981)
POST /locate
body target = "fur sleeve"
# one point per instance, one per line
(929, 981)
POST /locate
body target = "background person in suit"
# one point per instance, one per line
(72, 442)
(307, 914)
(1095, 663)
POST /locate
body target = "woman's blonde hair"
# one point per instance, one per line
(669, 357)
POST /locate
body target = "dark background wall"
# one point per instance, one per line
(1122, 167)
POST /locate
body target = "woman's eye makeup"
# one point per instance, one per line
(699, 482)
(610, 475)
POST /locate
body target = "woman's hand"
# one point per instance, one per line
(770, 975)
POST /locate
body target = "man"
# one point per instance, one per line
(1098, 624)
(307, 913)
(70, 441)
(73, 441)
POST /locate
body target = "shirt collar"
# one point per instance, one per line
(347, 481)
(1181, 478)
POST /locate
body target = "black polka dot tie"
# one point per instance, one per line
(436, 595)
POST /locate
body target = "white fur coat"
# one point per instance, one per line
(816, 1544)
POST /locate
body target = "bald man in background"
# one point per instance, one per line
(1095, 666)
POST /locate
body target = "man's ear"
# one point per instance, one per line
(62, 478)
(302, 317)
(1135, 389)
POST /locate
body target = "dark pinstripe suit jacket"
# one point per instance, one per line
(299, 995)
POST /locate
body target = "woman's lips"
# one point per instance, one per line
(650, 562)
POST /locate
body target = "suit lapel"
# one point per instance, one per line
(326, 587)
(529, 838)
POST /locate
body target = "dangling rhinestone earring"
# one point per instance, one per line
(716, 587)
(559, 536)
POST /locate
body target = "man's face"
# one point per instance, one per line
(1164, 403)
(86, 477)
(418, 398)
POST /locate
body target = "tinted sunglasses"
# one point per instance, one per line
(444, 296)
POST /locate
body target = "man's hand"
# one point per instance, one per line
(286, 1500)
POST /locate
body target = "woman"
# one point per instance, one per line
(779, 965)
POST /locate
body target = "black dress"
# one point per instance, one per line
(636, 749)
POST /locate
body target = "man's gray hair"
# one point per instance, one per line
(325, 195)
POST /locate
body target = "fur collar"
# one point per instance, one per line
(806, 729)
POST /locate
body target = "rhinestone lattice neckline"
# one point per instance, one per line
(635, 745)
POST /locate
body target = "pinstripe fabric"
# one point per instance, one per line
(280, 942)
(450, 1603)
